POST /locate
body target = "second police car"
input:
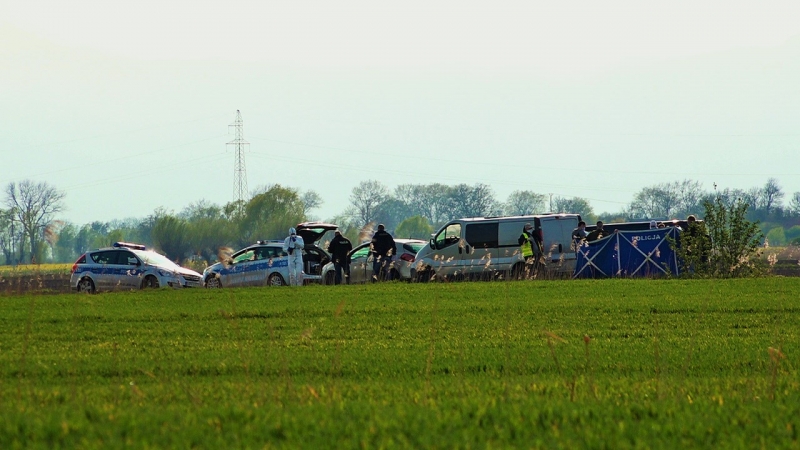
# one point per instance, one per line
(265, 262)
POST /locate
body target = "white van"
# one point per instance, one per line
(488, 247)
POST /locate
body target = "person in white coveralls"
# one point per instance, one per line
(293, 245)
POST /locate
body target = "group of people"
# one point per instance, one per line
(579, 234)
(694, 229)
(382, 248)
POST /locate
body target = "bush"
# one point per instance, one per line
(726, 245)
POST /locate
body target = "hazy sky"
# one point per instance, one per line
(127, 107)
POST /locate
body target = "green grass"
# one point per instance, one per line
(34, 269)
(668, 364)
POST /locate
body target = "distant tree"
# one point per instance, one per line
(34, 205)
(776, 237)
(524, 202)
(50, 236)
(771, 195)
(347, 226)
(416, 227)
(64, 248)
(365, 199)
(89, 236)
(391, 212)
(793, 234)
(171, 235)
(472, 201)
(10, 236)
(667, 200)
(729, 197)
(209, 229)
(575, 205)
(269, 215)
(133, 229)
(311, 200)
(794, 204)
(430, 201)
(614, 217)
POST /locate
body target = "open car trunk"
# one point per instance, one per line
(314, 257)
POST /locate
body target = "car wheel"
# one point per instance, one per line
(275, 280)
(150, 282)
(213, 282)
(86, 285)
(425, 275)
(329, 278)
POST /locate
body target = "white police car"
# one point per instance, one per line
(128, 266)
(265, 262)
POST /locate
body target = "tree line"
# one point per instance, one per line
(31, 232)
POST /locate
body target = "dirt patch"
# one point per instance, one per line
(35, 284)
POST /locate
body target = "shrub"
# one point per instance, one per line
(726, 245)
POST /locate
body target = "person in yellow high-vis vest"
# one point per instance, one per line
(531, 250)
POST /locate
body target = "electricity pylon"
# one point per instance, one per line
(239, 170)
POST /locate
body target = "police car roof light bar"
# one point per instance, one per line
(129, 245)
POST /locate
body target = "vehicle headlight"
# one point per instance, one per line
(167, 273)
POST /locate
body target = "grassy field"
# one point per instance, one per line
(556, 364)
(34, 269)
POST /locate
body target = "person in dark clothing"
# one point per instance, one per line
(579, 234)
(697, 242)
(383, 249)
(597, 233)
(339, 248)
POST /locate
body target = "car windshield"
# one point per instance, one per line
(154, 259)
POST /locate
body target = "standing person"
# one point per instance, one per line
(579, 234)
(383, 249)
(339, 248)
(698, 243)
(530, 248)
(598, 232)
(293, 245)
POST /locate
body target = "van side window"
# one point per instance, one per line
(449, 236)
(482, 235)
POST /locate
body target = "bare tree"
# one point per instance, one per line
(430, 201)
(524, 202)
(676, 199)
(365, 199)
(34, 205)
(771, 195)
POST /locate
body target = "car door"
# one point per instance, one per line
(105, 269)
(360, 264)
(449, 250)
(236, 274)
(557, 239)
(130, 270)
(256, 271)
(480, 253)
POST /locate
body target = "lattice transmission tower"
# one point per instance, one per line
(239, 170)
